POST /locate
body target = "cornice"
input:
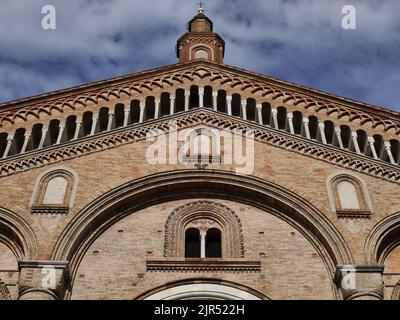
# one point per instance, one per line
(195, 117)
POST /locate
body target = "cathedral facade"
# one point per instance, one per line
(198, 180)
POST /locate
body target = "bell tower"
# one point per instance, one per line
(200, 42)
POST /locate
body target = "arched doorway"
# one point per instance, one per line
(202, 290)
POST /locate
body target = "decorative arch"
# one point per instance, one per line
(382, 239)
(206, 214)
(102, 213)
(4, 293)
(396, 292)
(210, 289)
(54, 191)
(16, 233)
(348, 195)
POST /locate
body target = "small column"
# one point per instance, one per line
(244, 110)
(60, 133)
(259, 112)
(8, 147)
(355, 142)
(42, 139)
(371, 142)
(127, 111)
(27, 137)
(290, 121)
(388, 149)
(201, 97)
(157, 109)
(306, 122)
(94, 124)
(275, 117)
(203, 244)
(187, 97)
(78, 128)
(141, 117)
(110, 121)
(321, 127)
(339, 137)
(215, 95)
(229, 104)
(171, 105)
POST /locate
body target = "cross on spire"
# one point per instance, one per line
(201, 6)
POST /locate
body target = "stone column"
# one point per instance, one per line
(187, 97)
(8, 146)
(201, 97)
(290, 121)
(203, 244)
(141, 117)
(157, 109)
(244, 110)
(171, 105)
(78, 128)
(306, 122)
(94, 124)
(43, 280)
(259, 112)
(339, 137)
(275, 117)
(229, 104)
(371, 142)
(215, 95)
(360, 282)
(42, 139)
(26, 140)
(110, 121)
(355, 142)
(60, 133)
(127, 112)
(388, 149)
(321, 127)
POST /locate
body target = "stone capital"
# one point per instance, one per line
(360, 282)
(43, 280)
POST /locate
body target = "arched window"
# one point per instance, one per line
(348, 196)
(192, 243)
(54, 191)
(203, 229)
(213, 247)
(202, 146)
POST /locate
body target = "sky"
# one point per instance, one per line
(300, 41)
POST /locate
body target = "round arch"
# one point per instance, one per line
(103, 212)
(205, 289)
(16, 233)
(382, 239)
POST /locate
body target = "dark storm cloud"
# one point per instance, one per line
(299, 41)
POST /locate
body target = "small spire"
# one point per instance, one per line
(201, 7)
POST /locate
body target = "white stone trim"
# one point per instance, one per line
(209, 291)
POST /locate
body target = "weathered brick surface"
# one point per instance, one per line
(291, 266)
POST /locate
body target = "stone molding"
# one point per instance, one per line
(204, 265)
(263, 134)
